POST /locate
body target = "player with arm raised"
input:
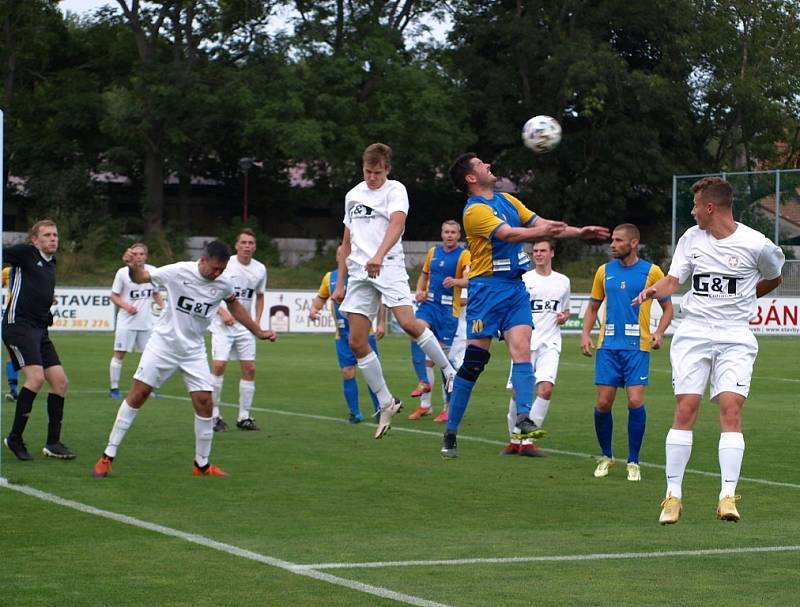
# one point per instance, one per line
(194, 292)
(496, 225)
(730, 265)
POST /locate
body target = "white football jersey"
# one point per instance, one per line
(248, 281)
(192, 302)
(140, 296)
(549, 296)
(724, 272)
(366, 215)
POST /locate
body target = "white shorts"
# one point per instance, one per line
(545, 365)
(130, 340)
(364, 294)
(459, 345)
(724, 353)
(156, 368)
(226, 345)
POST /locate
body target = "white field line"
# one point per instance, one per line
(554, 558)
(206, 542)
(474, 439)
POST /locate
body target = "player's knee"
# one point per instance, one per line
(545, 390)
(475, 359)
(348, 372)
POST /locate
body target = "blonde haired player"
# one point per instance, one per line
(730, 266)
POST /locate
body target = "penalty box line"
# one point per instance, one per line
(302, 570)
(464, 437)
(603, 556)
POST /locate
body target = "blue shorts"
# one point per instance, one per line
(621, 368)
(496, 305)
(346, 356)
(440, 319)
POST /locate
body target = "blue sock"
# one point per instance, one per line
(418, 360)
(11, 375)
(637, 419)
(604, 428)
(522, 381)
(375, 404)
(459, 399)
(350, 388)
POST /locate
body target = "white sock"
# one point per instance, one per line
(512, 416)
(125, 416)
(539, 411)
(678, 448)
(430, 345)
(203, 435)
(425, 400)
(115, 372)
(246, 391)
(731, 453)
(216, 393)
(370, 366)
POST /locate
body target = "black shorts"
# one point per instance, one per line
(28, 345)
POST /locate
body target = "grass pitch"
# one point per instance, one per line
(316, 512)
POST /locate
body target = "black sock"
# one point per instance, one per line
(25, 400)
(55, 412)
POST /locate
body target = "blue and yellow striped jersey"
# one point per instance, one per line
(439, 264)
(623, 326)
(491, 256)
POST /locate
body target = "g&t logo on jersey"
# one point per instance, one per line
(243, 293)
(545, 305)
(361, 211)
(140, 293)
(187, 305)
(716, 286)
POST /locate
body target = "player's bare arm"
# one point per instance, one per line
(241, 314)
(227, 318)
(422, 287)
(117, 300)
(316, 308)
(341, 266)
(589, 320)
(259, 308)
(767, 285)
(380, 325)
(159, 299)
(136, 270)
(657, 338)
(662, 288)
(397, 225)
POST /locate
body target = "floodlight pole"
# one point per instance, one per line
(245, 164)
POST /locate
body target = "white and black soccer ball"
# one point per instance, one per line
(541, 134)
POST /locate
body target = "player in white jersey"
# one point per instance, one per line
(194, 292)
(134, 318)
(730, 266)
(549, 292)
(374, 220)
(230, 340)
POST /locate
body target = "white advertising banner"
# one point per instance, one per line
(82, 309)
(91, 309)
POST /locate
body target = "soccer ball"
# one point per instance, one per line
(541, 134)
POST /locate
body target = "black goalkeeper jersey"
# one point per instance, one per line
(31, 286)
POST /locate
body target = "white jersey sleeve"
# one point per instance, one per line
(771, 260)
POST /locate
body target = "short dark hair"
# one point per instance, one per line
(216, 249)
(461, 167)
(549, 241)
(714, 189)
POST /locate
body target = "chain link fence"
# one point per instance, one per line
(768, 201)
